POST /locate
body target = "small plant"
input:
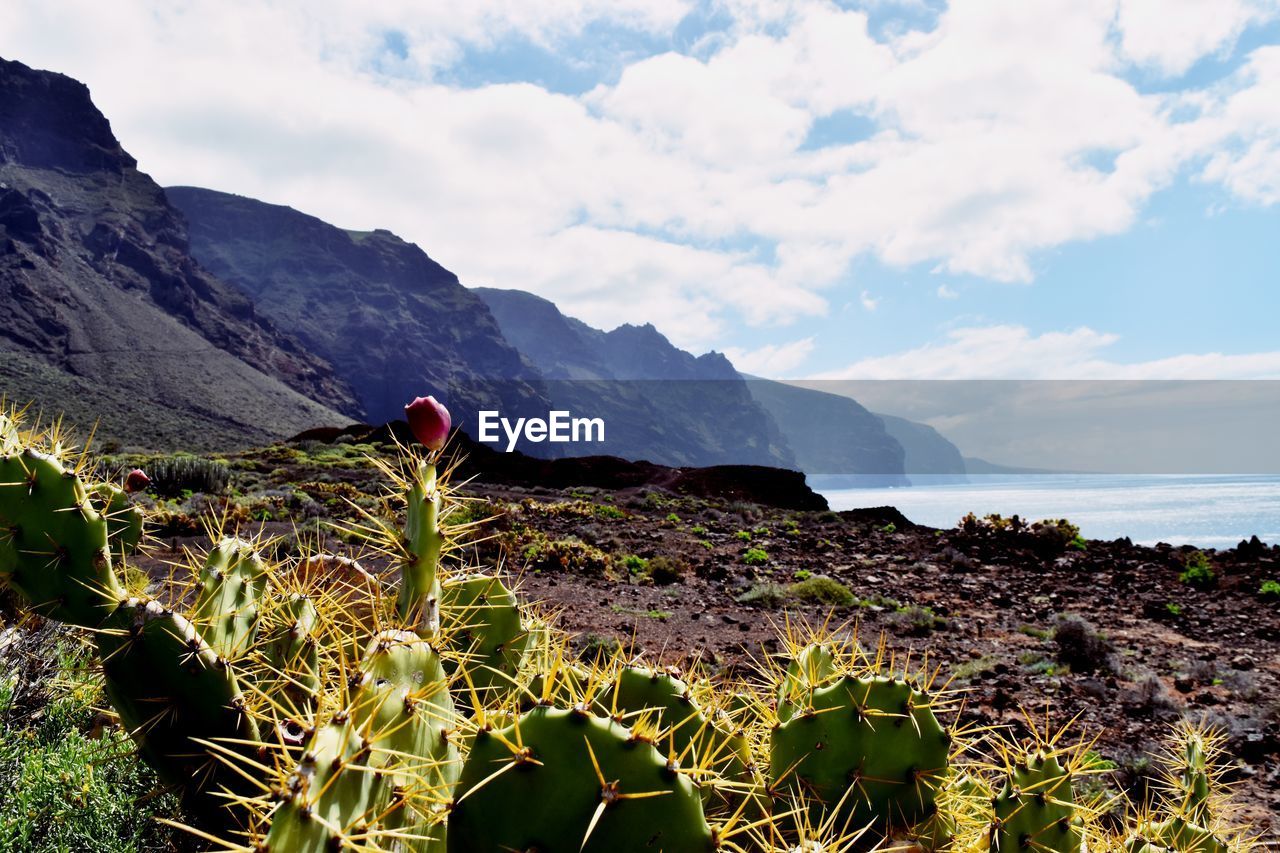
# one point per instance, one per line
(666, 570)
(176, 476)
(609, 511)
(634, 565)
(769, 595)
(803, 575)
(744, 535)
(791, 527)
(1173, 608)
(698, 530)
(1270, 589)
(1197, 571)
(917, 621)
(889, 528)
(755, 557)
(673, 518)
(822, 589)
(1080, 646)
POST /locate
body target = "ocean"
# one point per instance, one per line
(1205, 511)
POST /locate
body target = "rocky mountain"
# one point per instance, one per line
(928, 453)
(658, 402)
(394, 323)
(836, 441)
(104, 314)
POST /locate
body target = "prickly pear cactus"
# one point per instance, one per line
(1036, 808)
(483, 624)
(332, 799)
(870, 748)
(403, 708)
(685, 731)
(290, 675)
(228, 606)
(559, 780)
(177, 698)
(1187, 820)
(53, 543)
(124, 518)
(419, 601)
(813, 667)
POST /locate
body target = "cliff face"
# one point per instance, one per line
(658, 402)
(393, 322)
(104, 312)
(928, 454)
(836, 441)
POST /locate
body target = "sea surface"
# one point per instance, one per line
(1205, 511)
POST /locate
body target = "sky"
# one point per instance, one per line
(880, 189)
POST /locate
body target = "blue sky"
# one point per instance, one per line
(887, 188)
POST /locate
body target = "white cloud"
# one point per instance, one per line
(945, 292)
(634, 201)
(869, 302)
(1172, 34)
(1013, 352)
(771, 361)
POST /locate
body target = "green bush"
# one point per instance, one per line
(63, 785)
(633, 564)
(770, 595)
(1197, 571)
(755, 557)
(666, 570)
(1270, 589)
(744, 535)
(821, 589)
(176, 476)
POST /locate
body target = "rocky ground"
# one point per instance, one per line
(1118, 635)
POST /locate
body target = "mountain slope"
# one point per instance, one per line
(104, 313)
(928, 453)
(393, 322)
(834, 438)
(658, 402)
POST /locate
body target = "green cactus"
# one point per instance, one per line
(332, 800)
(53, 544)
(1036, 808)
(124, 518)
(686, 732)
(870, 748)
(291, 656)
(813, 667)
(484, 628)
(1187, 821)
(560, 780)
(177, 698)
(228, 607)
(419, 600)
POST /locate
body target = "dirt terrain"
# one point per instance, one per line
(1115, 634)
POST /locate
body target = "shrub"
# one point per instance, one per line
(916, 620)
(667, 570)
(1197, 571)
(673, 518)
(63, 786)
(1270, 589)
(822, 589)
(1080, 646)
(633, 564)
(744, 535)
(172, 476)
(770, 595)
(755, 557)
(699, 530)
(889, 528)
(803, 575)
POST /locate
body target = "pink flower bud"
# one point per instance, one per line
(137, 481)
(429, 421)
